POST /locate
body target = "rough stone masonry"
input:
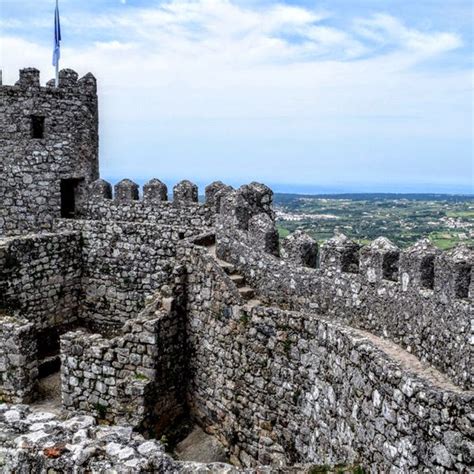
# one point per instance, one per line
(148, 306)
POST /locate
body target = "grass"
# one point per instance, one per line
(444, 244)
(283, 232)
(244, 319)
(139, 376)
(467, 214)
(446, 241)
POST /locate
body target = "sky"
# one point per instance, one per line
(307, 96)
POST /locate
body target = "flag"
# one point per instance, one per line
(57, 36)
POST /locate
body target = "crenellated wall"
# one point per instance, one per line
(47, 135)
(286, 352)
(280, 387)
(433, 323)
(125, 204)
(420, 298)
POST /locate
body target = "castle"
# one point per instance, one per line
(290, 355)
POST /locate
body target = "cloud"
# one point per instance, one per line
(276, 79)
(222, 33)
(386, 30)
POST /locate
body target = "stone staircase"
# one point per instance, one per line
(246, 292)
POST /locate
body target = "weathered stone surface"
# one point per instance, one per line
(126, 190)
(417, 265)
(185, 192)
(214, 193)
(155, 191)
(300, 248)
(18, 361)
(100, 448)
(340, 254)
(263, 232)
(379, 260)
(101, 189)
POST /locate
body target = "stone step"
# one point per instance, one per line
(252, 303)
(227, 267)
(247, 293)
(237, 279)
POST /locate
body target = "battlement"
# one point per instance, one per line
(127, 202)
(49, 149)
(155, 192)
(420, 297)
(69, 81)
(446, 274)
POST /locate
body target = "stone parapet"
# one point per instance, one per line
(383, 296)
(298, 387)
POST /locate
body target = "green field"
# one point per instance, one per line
(404, 219)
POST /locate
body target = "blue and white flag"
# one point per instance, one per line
(57, 37)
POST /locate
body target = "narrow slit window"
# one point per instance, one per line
(37, 127)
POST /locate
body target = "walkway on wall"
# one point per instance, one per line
(410, 362)
(395, 352)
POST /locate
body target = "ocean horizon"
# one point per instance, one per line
(323, 189)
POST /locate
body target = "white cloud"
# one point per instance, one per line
(387, 30)
(216, 60)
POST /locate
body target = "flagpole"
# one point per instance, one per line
(57, 42)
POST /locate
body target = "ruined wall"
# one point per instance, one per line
(32, 164)
(40, 278)
(123, 263)
(45, 442)
(278, 387)
(428, 316)
(137, 377)
(18, 360)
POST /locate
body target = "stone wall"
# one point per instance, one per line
(18, 360)
(137, 377)
(430, 318)
(279, 387)
(40, 278)
(123, 263)
(127, 205)
(32, 164)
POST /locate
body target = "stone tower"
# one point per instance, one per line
(48, 149)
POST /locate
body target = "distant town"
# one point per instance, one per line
(445, 219)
